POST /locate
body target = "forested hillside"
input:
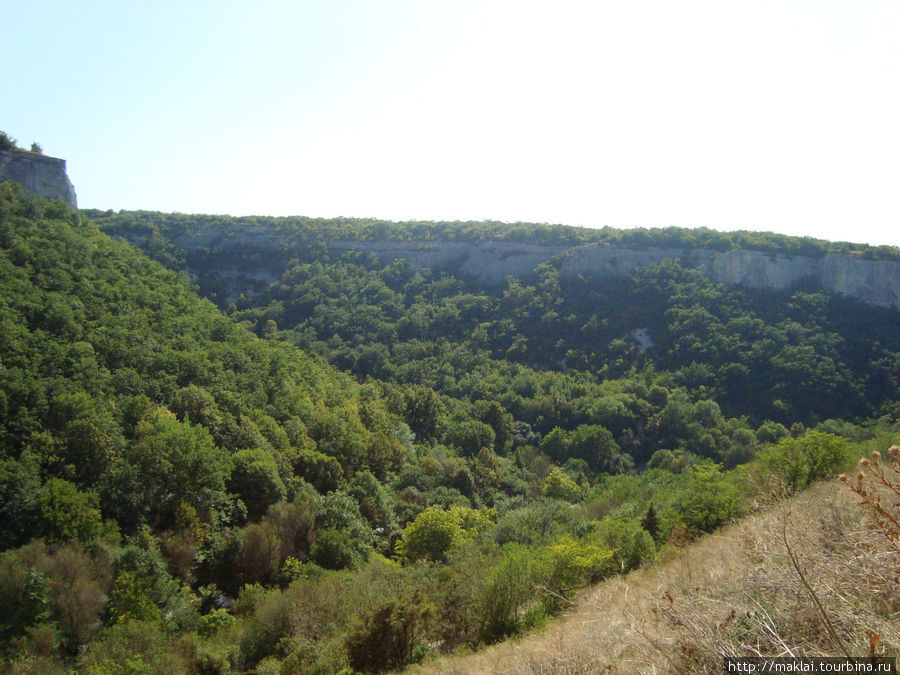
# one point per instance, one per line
(363, 464)
(436, 326)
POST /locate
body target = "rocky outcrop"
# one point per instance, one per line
(258, 254)
(43, 175)
(602, 259)
(755, 269)
(489, 261)
(873, 281)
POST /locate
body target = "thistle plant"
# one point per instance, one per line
(878, 484)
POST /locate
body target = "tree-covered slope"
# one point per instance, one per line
(795, 354)
(119, 380)
(192, 488)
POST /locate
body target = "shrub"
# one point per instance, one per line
(469, 436)
(20, 485)
(132, 600)
(629, 543)
(7, 142)
(374, 501)
(336, 550)
(65, 513)
(792, 464)
(558, 485)
(710, 499)
(255, 479)
(575, 563)
(343, 537)
(508, 589)
(386, 638)
(435, 532)
(77, 588)
(295, 525)
(132, 647)
(24, 597)
(259, 557)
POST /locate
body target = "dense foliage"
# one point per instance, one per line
(301, 238)
(186, 491)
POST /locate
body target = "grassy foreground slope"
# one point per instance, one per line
(733, 593)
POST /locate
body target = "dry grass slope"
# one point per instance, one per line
(734, 593)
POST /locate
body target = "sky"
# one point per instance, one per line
(764, 115)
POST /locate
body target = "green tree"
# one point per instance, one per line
(131, 599)
(373, 499)
(175, 462)
(793, 463)
(7, 142)
(630, 543)
(256, 480)
(558, 485)
(506, 592)
(343, 537)
(64, 513)
(20, 485)
(497, 418)
(469, 436)
(711, 499)
(24, 598)
(596, 445)
(434, 532)
(650, 522)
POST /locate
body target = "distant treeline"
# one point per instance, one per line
(298, 228)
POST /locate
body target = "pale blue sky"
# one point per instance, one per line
(778, 115)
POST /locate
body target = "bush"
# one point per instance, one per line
(7, 142)
(77, 588)
(710, 499)
(508, 589)
(132, 600)
(336, 550)
(343, 538)
(792, 464)
(629, 543)
(20, 485)
(259, 557)
(256, 481)
(295, 525)
(132, 647)
(469, 436)
(575, 563)
(435, 532)
(386, 638)
(65, 513)
(24, 597)
(558, 485)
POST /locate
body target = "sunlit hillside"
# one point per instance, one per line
(736, 592)
(338, 462)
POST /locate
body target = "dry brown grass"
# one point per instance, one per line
(733, 593)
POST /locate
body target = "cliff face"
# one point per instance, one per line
(41, 174)
(873, 281)
(876, 282)
(489, 261)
